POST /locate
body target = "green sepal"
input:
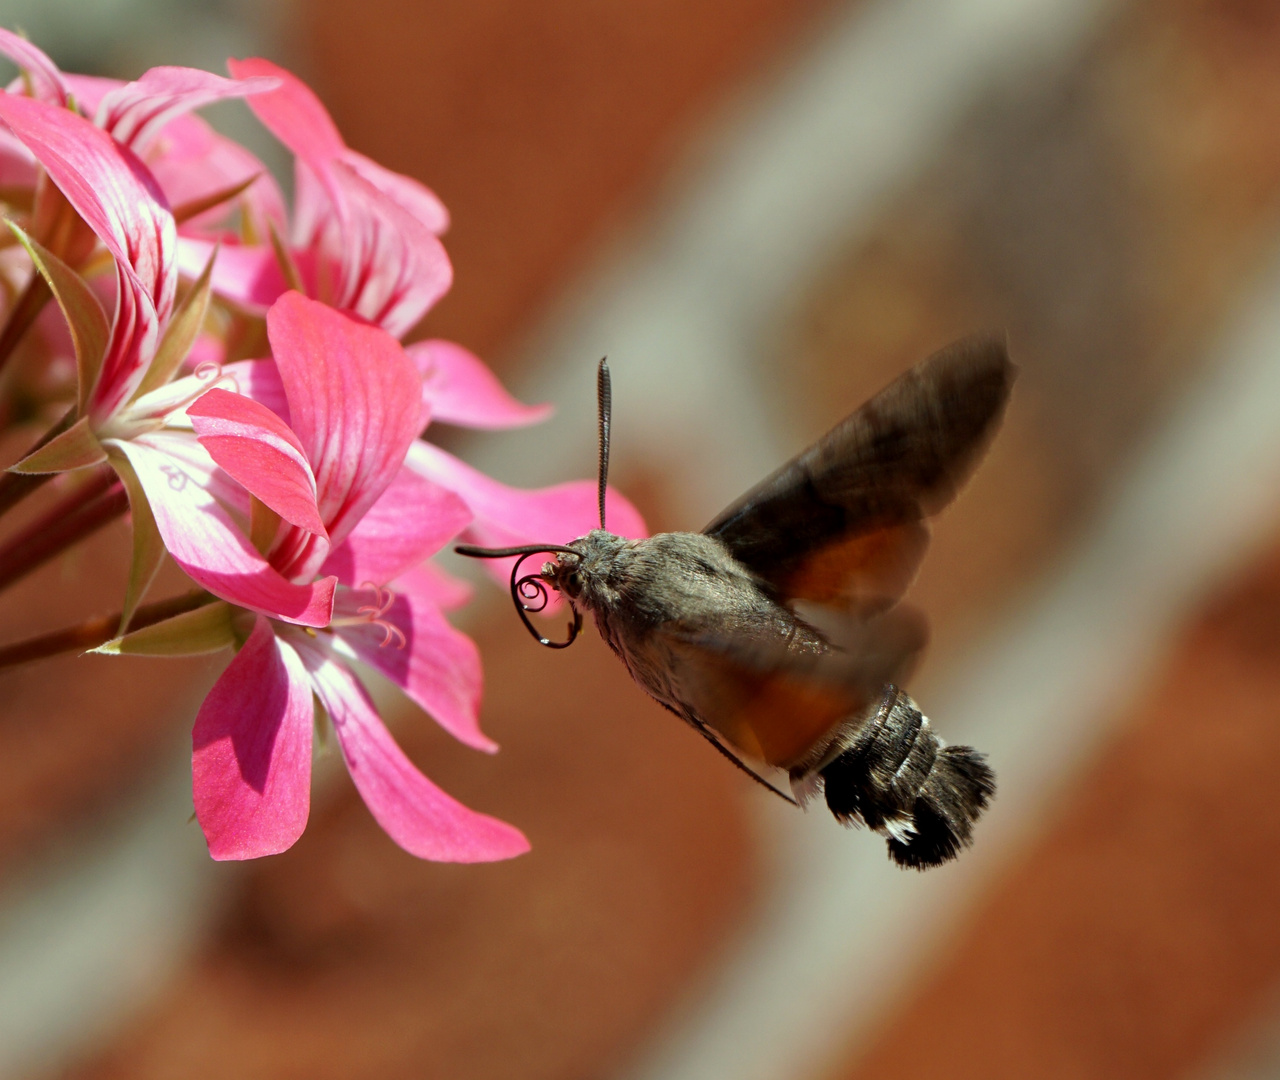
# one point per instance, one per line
(75, 448)
(284, 258)
(180, 334)
(148, 546)
(88, 323)
(207, 629)
(187, 210)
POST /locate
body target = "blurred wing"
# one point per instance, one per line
(843, 522)
(773, 701)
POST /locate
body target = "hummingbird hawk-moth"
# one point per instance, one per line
(777, 631)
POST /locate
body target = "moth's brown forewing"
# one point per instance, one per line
(843, 522)
(866, 572)
(775, 698)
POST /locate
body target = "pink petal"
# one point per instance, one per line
(118, 198)
(354, 403)
(168, 401)
(506, 515)
(47, 83)
(258, 448)
(394, 267)
(415, 813)
(260, 380)
(251, 751)
(317, 207)
(246, 274)
(191, 161)
(135, 112)
(135, 334)
(431, 583)
(202, 538)
(89, 90)
(461, 390)
(291, 112)
(417, 199)
(183, 449)
(18, 168)
(412, 520)
(436, 665)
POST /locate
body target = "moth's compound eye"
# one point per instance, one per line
(573, 583)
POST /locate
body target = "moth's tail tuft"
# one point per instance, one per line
(896, 776)
(954, 794)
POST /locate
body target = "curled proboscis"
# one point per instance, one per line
(531, 593)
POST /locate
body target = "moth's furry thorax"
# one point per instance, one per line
(638, 585)
(651, 598)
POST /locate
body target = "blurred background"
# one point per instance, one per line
(762, 211)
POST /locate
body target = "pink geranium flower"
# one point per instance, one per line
(295, 489)
(152, 116)
(129, 411)
(364, 238)
(340, 505)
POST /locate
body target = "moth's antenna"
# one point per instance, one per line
(604, 394)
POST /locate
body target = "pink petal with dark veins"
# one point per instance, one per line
(120, 201)
(135, 112)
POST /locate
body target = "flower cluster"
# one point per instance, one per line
(233, 373)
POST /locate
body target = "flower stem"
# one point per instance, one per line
(14, 487)
(29, 305)
(75, 517)
(93, 632)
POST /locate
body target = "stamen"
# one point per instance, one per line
(212, 370)
(383, 599)
(373, 615)
(390, 631)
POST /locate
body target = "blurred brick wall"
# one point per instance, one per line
(1110, 218)
(542, 126)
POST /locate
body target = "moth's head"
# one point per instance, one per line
(582, 573)
(566, 575)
